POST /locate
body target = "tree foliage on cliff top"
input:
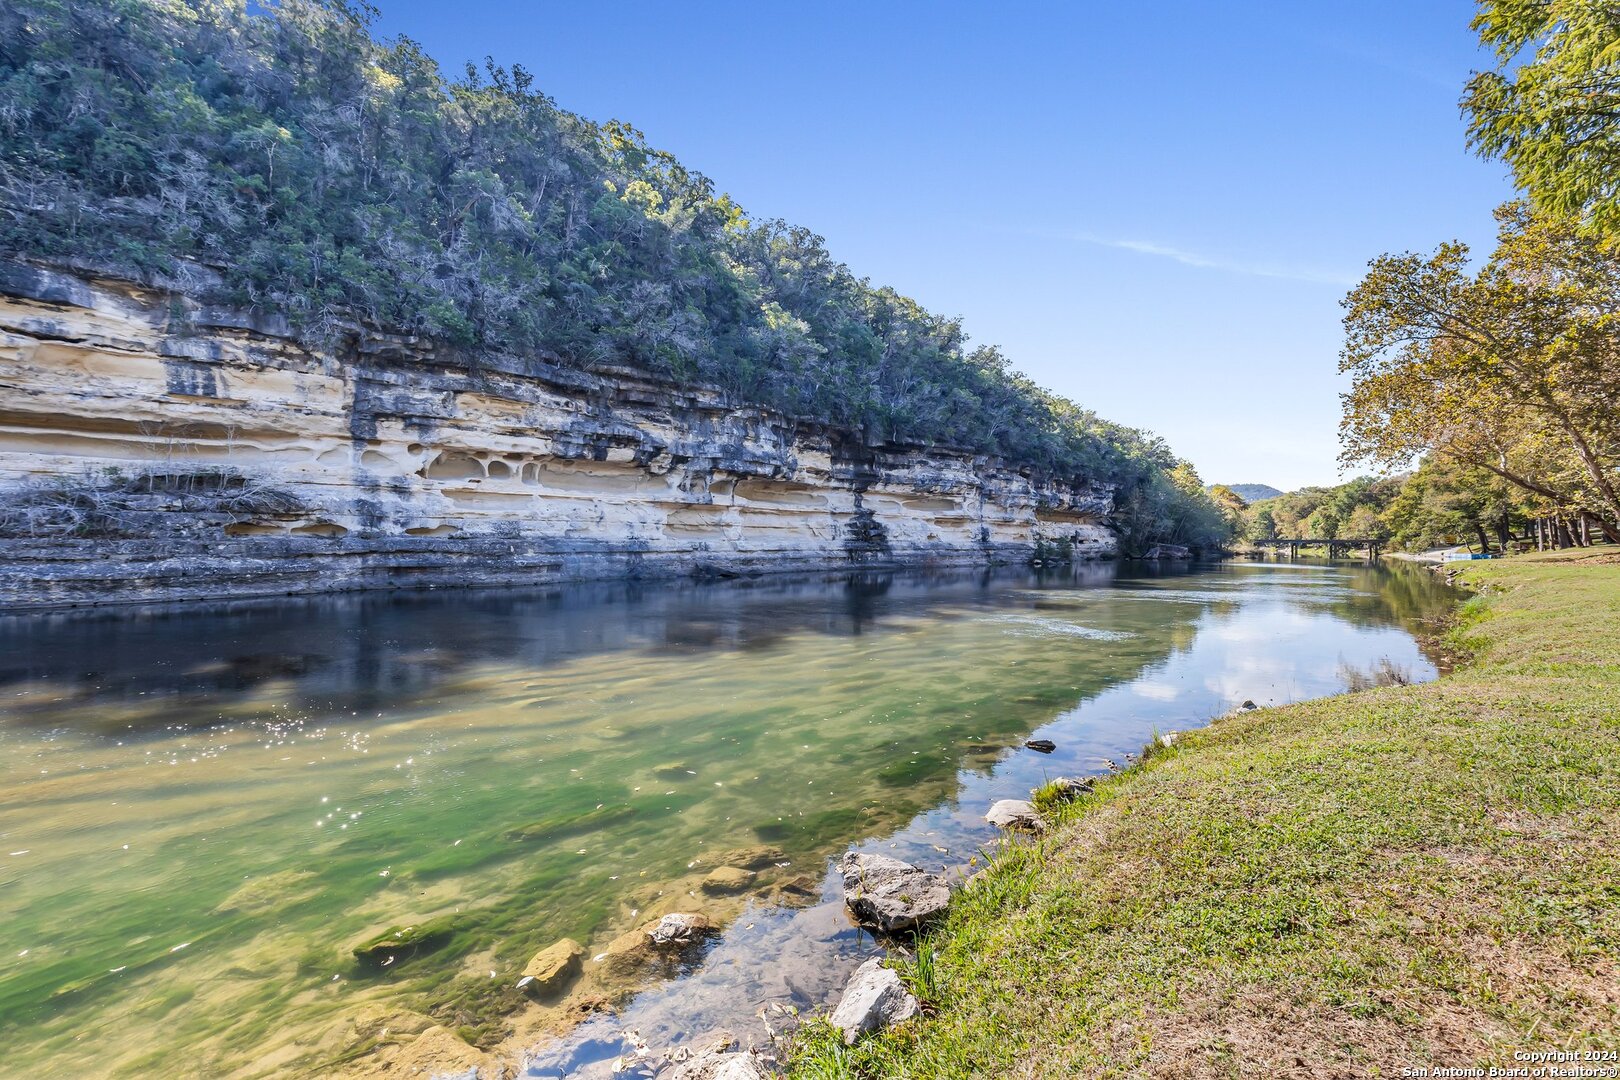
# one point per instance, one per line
(343, 180)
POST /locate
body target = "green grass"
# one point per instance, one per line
(1411, 876)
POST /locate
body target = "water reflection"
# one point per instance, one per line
(213, 806)
(174, 663)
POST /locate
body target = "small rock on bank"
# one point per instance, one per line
(1070, 788)
(1015, 814)
(891, 895)
(875, 998)
(720, 1065)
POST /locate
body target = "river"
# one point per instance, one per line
(205, 809)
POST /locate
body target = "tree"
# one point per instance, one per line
(1323, 524)
(1549, 107)
(1514, 369)
(1169, 505)
(1262, 524)
(1444, 502)
(1233, 507)
(1363, 524)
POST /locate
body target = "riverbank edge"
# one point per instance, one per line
(189, 575)
(1413, 876)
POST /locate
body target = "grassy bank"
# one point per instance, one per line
(1414, 876)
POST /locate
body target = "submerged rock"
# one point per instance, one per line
(371, 1023)
(272, 892)
(403, 942)
(561, 826)
(800, 887)
(627, 949)
(628, 952)
(662, 940)
(728, 879)
(718, 1041)
(1015, 814)
(891, 895)
(440, 1052)
(875, 998)
(756, 857)
(679, 930)
(552, 967)
(1041, 746)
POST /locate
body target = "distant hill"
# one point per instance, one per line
(1255, 492)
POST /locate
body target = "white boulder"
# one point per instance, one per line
(890, 895)
(1015, 814)
(874, 999)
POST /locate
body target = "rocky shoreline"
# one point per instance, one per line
(894, 901)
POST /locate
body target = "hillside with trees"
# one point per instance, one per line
(280, 158)
(1253, 492)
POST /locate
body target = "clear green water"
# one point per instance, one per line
(204, 811)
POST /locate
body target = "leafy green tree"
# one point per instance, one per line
(1363, 524)
(1261, 524)
(1323, 524)
(1447, 503)
(1233, 507)
(1549, 108)
(1511, 370)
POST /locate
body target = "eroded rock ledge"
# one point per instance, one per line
(154, 448)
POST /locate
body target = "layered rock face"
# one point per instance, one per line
(154, 448)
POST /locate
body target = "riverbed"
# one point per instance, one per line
(206, 808)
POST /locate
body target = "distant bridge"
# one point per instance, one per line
(1337, 546)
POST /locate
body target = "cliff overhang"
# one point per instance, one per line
(156, 448)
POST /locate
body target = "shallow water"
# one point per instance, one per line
(204, 810)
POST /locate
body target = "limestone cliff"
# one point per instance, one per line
(155, 448)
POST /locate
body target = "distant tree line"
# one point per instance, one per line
(1439, 504)
(344, 182)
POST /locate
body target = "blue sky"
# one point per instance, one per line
(1154, 209)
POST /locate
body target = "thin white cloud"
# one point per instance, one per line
(1156, 691)
(1227, 266)
(1425, 70)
